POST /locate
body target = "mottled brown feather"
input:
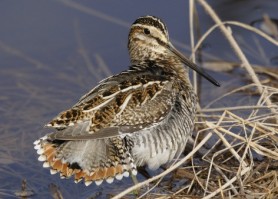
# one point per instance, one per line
(146, 88)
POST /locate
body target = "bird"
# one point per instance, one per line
(142, 116)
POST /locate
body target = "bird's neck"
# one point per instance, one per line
(170, 64)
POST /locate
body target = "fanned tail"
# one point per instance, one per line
(90, 160)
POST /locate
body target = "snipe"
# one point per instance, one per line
(142, 116)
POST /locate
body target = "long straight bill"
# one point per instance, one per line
(190, 64)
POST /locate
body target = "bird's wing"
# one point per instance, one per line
(120, 104)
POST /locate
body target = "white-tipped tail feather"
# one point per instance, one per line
(98, 182)
(62, 164)
(119, 176)
(42, 158)
(52, 171)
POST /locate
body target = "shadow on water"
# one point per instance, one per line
(52, 52)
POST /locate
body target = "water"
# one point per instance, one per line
(52, 52)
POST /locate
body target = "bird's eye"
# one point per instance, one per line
(146, 31)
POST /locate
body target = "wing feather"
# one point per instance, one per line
(119, 105)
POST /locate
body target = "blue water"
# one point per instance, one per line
(43, 72)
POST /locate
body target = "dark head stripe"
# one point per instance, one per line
(152, 21)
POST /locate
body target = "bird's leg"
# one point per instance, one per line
(135, 181)
(144, 172)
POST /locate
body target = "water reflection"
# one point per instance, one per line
(51, 53)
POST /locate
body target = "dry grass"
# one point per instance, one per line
(242, 159)
(235, 154)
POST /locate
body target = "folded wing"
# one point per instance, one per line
(119, 105)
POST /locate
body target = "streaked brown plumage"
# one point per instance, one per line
(142, 116)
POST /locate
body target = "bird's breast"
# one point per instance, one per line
(165, 140)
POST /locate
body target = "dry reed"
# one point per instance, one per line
(243, 161)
